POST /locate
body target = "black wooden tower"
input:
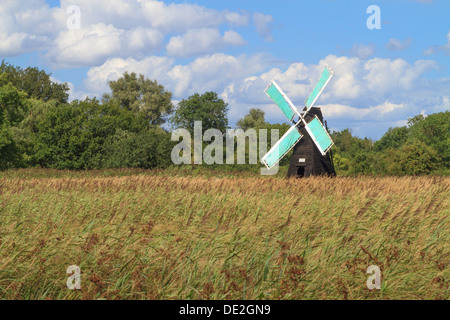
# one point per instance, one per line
(306, 159)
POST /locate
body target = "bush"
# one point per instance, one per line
(72, 136)
(414, 158)
(148, 149)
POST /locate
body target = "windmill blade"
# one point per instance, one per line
(326, 76)
(319, 135)
(282, 147)
(282, 100)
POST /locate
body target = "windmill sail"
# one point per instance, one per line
(282, 147)
(323, 81)
(282, 101)
(319, 135)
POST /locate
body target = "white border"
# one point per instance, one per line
(313, 137)
(293, 107)
(324, 86)
(278, 142)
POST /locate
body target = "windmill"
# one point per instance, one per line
(311, 155)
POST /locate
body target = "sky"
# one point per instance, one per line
(383, 75)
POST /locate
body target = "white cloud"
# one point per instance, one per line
(336, 111)
(390, 77)
(236, 19)
(86, 46)
(183, 80)
(380, 85)
(214, 72)
(17, 43)
(112, 28)
(398, 45)
(262, 23)
(444, 48)
(362, 51)
(299, 79)
(179, 17)
(152, 67)
(94, 44)
(20, 32)
(200, 41)
(233, 38)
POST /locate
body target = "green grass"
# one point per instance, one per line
(190, 234)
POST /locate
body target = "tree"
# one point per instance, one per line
(71, 136)
(433, 131)
(13, 107)
(207, 108)
(416, 119)
(341, 163)
(362, 162)
(414, 158)
(146, 149)
(13, 102)
(142, 96)
(254, 119)
(348, 145)
(35, 83)
(393, 138)
(9, 153)
(352, 154)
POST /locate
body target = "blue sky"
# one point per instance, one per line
(383, 76)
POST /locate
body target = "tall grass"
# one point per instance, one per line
(159, 235)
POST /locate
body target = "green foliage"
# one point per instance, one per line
(9, 153)
(352, 154)
(71, 136)
(146, 149)
(207, 108)
(36, 113)
(13, 107)
(422, 147)
(346, 143)
(142, 96)
(254, 119)
(433, 131)
(415, 120)
(35, 83)
(414, 158)
(393, 138)
(13, 102)
(341, 164)
(361, 163)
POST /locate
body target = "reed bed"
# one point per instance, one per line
(156, 235)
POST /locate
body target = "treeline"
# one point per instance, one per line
(421, 147)
(125, 129)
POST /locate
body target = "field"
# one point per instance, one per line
(179, 235)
